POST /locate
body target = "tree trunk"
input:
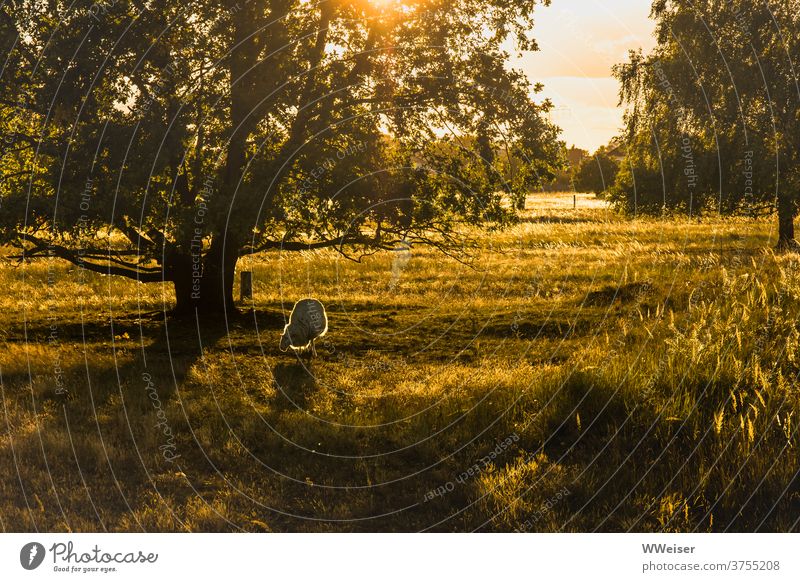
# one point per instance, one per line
(184, 301)
(219, 272)
(183, 271)
(786, 215)
(209, 292)
(204, 285)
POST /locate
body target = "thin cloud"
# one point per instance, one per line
(580, 42)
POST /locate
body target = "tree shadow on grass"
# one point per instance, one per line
(97, 457)
(295, 383)
(543, 329)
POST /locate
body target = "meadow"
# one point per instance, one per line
(585, 373)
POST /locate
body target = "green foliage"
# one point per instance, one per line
(596, 173)
(711, 119)
(263, 124)
(563, 179)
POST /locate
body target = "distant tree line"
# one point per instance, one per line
(585, 172)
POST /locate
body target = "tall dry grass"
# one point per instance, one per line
(642, 375)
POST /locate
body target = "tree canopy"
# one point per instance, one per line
(164, 140)
(712, 111)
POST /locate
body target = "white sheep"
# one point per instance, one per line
(308, 322)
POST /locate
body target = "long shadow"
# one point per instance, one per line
(294, 385)
(545, 329)
(86, 457)
(181, 342)
(177, 342)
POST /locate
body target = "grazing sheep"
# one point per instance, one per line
(307, 323)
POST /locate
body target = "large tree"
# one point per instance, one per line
(712, 112)
(163, 141)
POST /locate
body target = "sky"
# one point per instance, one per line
(579, 42)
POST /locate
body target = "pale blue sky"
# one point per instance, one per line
(579, 41)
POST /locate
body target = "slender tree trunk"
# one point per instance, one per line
(786, 215)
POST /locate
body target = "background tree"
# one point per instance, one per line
(564, 178)
(163, 142)
(712, 112)
(596, 173)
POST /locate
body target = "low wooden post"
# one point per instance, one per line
(574, 201)
(246, 288)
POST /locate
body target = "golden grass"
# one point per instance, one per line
(645, 372)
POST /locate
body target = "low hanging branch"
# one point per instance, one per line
(85, 258)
